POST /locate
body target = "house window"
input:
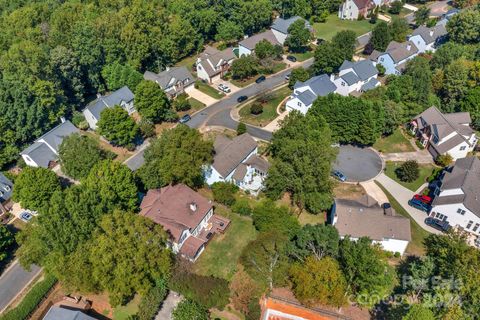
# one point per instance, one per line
(381, 59)
(463, 148)
(462, 212)
(299, 104)
(476, 227)
(440, 216)
(469, 225)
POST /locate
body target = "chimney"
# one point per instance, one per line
(62, 119)
(409, 46)
(332, 77)
(431, 32)
(193, 206)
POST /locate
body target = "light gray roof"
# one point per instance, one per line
(115, 98)
(6, 188)
(168, 78)
(371, 84)
(350, 78)
(41, 150)
(356, 218)
(282, 25)
(252, 41)
(401, 51)
(430, 35)
(229, 155)
(364, 69)
(59, 313)
(240, 172)
(465, 175)
(320, 85)
(307, 97)
(214, 56)
(258, 163)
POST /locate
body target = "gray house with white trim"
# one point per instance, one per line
(305, 93)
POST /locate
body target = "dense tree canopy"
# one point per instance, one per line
(6, 240)
(268, 217)
(188, 310)
(298, 36)
(117, 126)
(465, 26)
(317, 241)
(151, 102)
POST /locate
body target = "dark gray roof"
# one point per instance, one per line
(282, 25)
(430, 35)
(232, 153)
(252, 41)
(6, 187)
(45, 148)
(59, 313)
(115, 98)
(371, 84)
(350, 78)
(464, 175)
(307, 97)
(258, 163)
(365, 69)
(168, 78)
(320, 85)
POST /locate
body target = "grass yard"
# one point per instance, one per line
(304, 55)
(396, 142)
(269, 108)
(415, 247)
(122, 153)
(244, 82)
(187, 62)
(196, 105)
(221, 254)
(334, 24)
(124, 312)
(426, 171)
(308, 218)
(205, 88)
(278, 67)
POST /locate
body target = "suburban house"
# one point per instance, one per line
(44, 151)
(247, 46)
(356, 77)
(457, 195)
(356, 218)
(123, 97)
(305, 93)
(6, 187)
(448, 15)
(64, 313)
(445, 133)
(173, 81)
(395, 57)
(186, 215)
(280, 27)
(236, 160)
(428, 39)
(212, 64)
(354, 9)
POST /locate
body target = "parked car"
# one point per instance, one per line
(241, 99)
(292, 58)
(419, 205)
(438, 224)
(185, 118)
(25, 216)
(287, 76)
(224, 88)
(423, 198)
(340, 176)
(260, 79)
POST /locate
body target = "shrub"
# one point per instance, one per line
(242, 207)
(147, 128)
(396, 7)
(224, 192)
(31, 300)
(189, 309)
(435, 174)
(181, 102)
(419, 145)
(408, 171)
(381, 69)
(396, 254)
(77, 118)
(256, 108)
(444, 160)
(241, 128)
(151, 302)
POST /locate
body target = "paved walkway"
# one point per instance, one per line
(202, 97)
(384, 18)
(374, 191)
(422, 156)
(168, 306)
(410, 7)
(275, 124)
(402, 195)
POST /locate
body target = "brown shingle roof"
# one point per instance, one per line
(258, 163)
(361, 4)
(211, 57)
(231, 153)
(170, 206)
(400, 51)
(191, 247)
(250, 42)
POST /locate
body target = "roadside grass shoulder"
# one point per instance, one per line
(425, 171)
(396, 142)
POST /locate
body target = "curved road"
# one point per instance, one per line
(218, 114)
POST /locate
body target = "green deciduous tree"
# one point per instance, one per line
(298, 74)
(381, 36)
(34, 187)
(228, 31)
(465, 26)
(151, 101)
(6, 240)
(265, 49)
(177, 156)
(319, 281)
(117, 126)
(152, 301)
(345, 41)
(117, 75)
(419, 312)
(399, 28)
(419, 69)
(268, 217)
(422, 15)
(244, 67)
(190, 310)
(298, 36)
(224, 192)
(78, 154)
(317, 241)
(408, 171)
(328, 58)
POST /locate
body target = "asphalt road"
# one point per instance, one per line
(218, 114)
(13, 281)
(358, 164)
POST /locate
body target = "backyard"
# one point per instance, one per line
(396, 142)
(334, 24)
(269, 103)
(209, 90)
(425, 171)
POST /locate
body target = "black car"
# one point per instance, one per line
(292, 58)
(185, 118)
(260, 79)
(241, 99)
(437, 224)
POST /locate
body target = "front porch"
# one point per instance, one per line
(421, 135)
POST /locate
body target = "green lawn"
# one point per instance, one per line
(334, 24)
(124, 312)
(278, 67)
(269, 108)
(415, 246)
(304, 55)
(244, 82)
(425, 171)
(205, 88)
(221, 255)
(196, 105)
(187, 62)
(396, 142)
(308, 218)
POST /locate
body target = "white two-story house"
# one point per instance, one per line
(457, 196)
(212, 64)
(428, 39)
(236, 161)
(187, 217)
(356, 77)
(305, 93)
(442, 134)
(122, 97)
(354, 9)
(395, 57)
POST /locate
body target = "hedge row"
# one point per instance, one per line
(151, 302)
(31, 300)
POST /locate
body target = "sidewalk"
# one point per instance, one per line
(402, 195)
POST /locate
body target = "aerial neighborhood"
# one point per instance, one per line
(240, 160)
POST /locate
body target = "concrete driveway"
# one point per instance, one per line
(402, 195)
(170, 303)
(358, 164)
(202, 97)
(233, 88)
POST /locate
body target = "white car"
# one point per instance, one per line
(224, 88)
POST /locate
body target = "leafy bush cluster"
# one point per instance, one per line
(151, 302)
(224, 192)
(256, 108)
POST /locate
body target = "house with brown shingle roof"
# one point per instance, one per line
(355, 218)
(428, 39)
(457, 195)
(236, 161)
(247, 46)
(395, 57)
(213, 64)
(448, 133)
(186, 215)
